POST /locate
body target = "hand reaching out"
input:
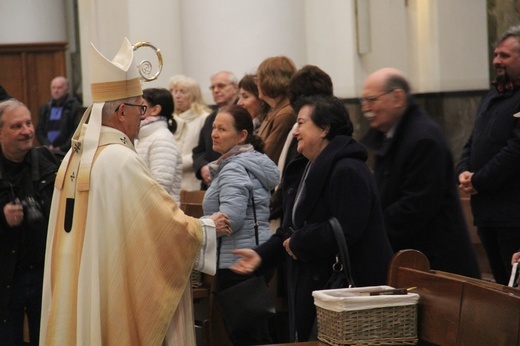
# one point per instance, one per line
(205, 174)
(249, 261)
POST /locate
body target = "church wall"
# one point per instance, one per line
(444, 47)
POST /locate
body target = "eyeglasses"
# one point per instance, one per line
(372, 99)
(219, 86)
(142, 108)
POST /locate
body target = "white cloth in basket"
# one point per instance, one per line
(350, 299)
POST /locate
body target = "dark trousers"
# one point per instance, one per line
(26, 297)
(500, 243)
(260, 335)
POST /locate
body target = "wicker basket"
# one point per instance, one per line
(393, 324)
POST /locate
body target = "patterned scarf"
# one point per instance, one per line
(237, 149)
(152, 119)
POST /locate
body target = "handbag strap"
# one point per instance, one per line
(344, 257)
(254, 213)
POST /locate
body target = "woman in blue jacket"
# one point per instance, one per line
(241, 173)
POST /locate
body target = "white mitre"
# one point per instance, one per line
(114, 79)
(110, 80)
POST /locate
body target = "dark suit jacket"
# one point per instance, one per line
(415, 175)
(203, 153)
(493, 154)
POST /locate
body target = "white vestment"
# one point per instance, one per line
(119, 255)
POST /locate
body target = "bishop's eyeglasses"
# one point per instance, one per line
(142, 108)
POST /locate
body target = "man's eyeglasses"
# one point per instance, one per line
(142, 108)
(372, 99)
(219, 86)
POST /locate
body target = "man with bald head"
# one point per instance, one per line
(224, 88)
(58, 118)
(415, 176)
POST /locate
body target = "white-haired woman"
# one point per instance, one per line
(190, 113)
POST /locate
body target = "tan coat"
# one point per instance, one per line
(275, 127)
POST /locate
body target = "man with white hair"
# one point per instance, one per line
(224, 88)
(119, 249)
(415, 176)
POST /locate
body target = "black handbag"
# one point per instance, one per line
(341, 276)
(341, 272)
(247, 302)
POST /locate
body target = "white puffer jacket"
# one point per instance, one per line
(159, 150)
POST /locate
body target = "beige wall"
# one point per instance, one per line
(439, 44)
(444, 46)
(27, 21)
(200, 37)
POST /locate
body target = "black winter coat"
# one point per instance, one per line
(203, 153)
(338, 184)
(493, 154)
(25, 244)
(415, 175)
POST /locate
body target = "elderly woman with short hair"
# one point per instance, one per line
(328, 178)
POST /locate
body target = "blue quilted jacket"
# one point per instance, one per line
(230, 193)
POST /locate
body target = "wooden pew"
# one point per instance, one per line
(457, 310)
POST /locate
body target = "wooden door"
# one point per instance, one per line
(26, 71)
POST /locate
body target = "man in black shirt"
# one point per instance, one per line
(27, 177)
(489, 167)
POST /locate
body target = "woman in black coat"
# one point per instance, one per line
(328, 178)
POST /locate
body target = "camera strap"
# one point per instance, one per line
(28, 187)
(35, 167)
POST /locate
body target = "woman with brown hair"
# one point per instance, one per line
(273, 77)
(241, 184)
(249, 99)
